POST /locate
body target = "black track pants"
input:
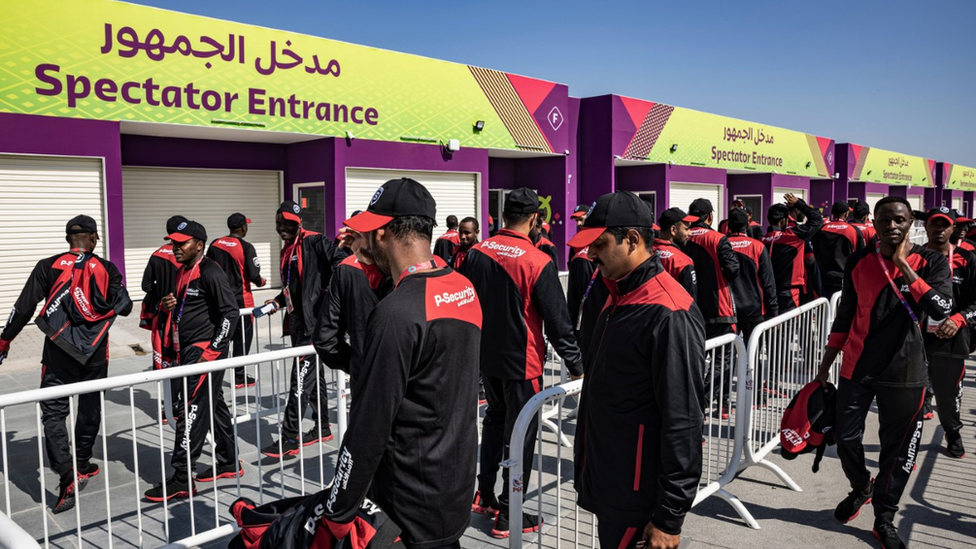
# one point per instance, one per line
(618, 536)
(304, 390)
(60, 368)
(900, 432)
(721, 370)
(194, 412)
(945, 375)
(506, 398)
(243, 339)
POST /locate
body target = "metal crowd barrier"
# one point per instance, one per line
(563, 521)
(784, 355)
(133, 455)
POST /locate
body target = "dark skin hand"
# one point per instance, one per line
(652, 538)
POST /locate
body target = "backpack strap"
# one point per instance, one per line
(820, 454)
(386, 535)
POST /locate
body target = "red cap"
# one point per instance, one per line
(577, 215)
(586, 236)
(367, 221)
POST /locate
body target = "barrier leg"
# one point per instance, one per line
(781, 474)
(739, 508)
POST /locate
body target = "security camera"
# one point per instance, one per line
(453, 145)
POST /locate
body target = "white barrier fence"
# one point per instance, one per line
(134, 456)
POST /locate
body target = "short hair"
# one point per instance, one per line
(893, 200)
(452, 222)
(737, 226)
(412, 226)
(839, 209)
(647, 233)
(474, 220)
(516, 218)
(861, 210)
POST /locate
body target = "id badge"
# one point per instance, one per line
(288, 304)
(176, 338)
(933, 325)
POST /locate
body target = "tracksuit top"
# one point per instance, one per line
(967, 245)
(206, 311)
(307, 266)
(638, 450)
(353, 293)
(787, 249)
(413, 431)
(832, 245)
(867, 230)
(715, 266)
(458, 255)
(519, 289)
(755, 287)
(581, 270)
(84, 295)
(240, 263)
(753, 231)
(547, 246)
(445, 244)
(678, 265)
(963, 267)
(881, 344)
(158, 280)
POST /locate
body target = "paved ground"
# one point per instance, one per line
(939, 508)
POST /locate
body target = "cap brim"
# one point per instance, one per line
(655, 226)
(961, 220)
(692, 218)
(178, 237)
(586, 236)
(943, 216)
(289, 216)
(578, 214)
(248, 221)
(366, 222)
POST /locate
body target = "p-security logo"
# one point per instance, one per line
(376, 196)
(296, 208)
(181, 226)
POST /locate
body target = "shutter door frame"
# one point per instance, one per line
(45, 227)
(872, 199)
(957, 203)
(213, 215)
(916, 200)
(684, 190)
(778, 193)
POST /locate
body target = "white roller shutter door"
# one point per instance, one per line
(38, 195)
(915, 200)
(873, 198)
(778, 193)
(957, 204)
(153, 195)
(681, 195)
(454, 192)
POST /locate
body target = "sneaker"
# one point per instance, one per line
(312, 436)
(289, 447)
(888, 534)
(243, 380)
(224, 470)
(482, 398)
(66, 488)
(850, 508)
(927, 412)
(954, 447)
(530, 523)
(485, 505)
(176, 486)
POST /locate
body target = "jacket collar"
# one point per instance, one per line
(634, 279)
(513, 234)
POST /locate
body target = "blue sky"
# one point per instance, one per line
(891, 74)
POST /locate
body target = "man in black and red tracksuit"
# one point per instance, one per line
(787, 249)
(891, 290)
(638, 451)
(958, 237)
(755, 287)
(859, 218)
(716, 266)
(468, 232)
(540, 237)
(240, 263)
(833, 244)
(581, 272)
(675, 226)
(445, 244)
(307, 262)
(84, 295)
(412, 438)
(520, 292)
(949, 343)
(202, 320)
(159, 278)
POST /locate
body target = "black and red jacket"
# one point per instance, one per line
(206, 312)
(445, 244)
(520, 290)
(967, 245)
(581, 270)
(755, 287)
(306, 268)
(547, 246)
(158, 281)
(881, 343)
(84, 295)
(413, 433)
(638, 450)
(353, 293)
(458, 255)
(715, 267)
(677, 264)
(832, 245)
(240, 263)
(787, 249)
(963, 267)
(867, 230)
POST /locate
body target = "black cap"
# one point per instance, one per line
(943, 212)
(522, 201)
(617, 209)
(738, 220)
(237, 220)
(777, 212)
(85, 225)
(671, 216)
(700, 208)
(839, 208)
(396, 198)
(187, 230)
(748, 210)
(862, 209)
(581, 211)
(173, 222)
(290, 211)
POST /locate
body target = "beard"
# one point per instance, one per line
(381, 259)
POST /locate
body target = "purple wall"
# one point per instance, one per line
(43, 135)
(166, 152)
(596, 174)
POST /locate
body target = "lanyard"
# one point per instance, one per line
(418, 267)
(189, 277)
(586, 294)
(911, 313)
